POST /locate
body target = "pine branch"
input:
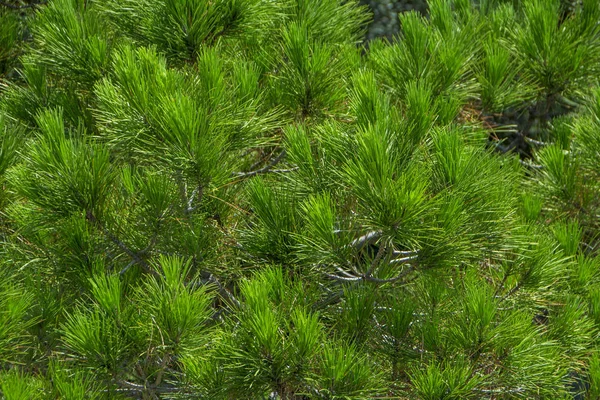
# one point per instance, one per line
(535, 142)
(368, 239)
(283, 171)
(375, 263)
(145, 250)
(370, 278)
(501, 286)
(134, 255)
(365, 240)
(563, 100)
(126, 268)
(163, 365)
(405, 252)
(346, 273)
(403, 260)
(265, 169)
(531, 165)
(195, 192)
(511, 292)
(130, 387)
(395, 279)
(207, 276)
(343, 278)
(500, 391)
(259, 162)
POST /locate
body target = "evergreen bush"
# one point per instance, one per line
(240, 199)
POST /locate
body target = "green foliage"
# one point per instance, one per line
(448, 382)
(240, 199)
(311, 81)
(556, 54)
(75, 385)
(14, 320)
(9, 36)
(63, 175)
(344, 374)
(80, 49)
(17, 386)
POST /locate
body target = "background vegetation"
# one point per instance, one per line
(234, 199)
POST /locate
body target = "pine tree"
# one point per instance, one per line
(241, 199)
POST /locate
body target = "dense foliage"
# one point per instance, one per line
(234, 199)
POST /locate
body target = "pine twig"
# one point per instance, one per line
(134, 255)
(394, 279)
(531, 165)
(403, 259)
(375, 263)
(222, 290)
(370, 278)
(344, 278)
(535, 142)
(406, 253)
(371, 238)
(346, 273)
(263, 170)
(511, 292)
(163, 365)
(365, 240)
(127, 386)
